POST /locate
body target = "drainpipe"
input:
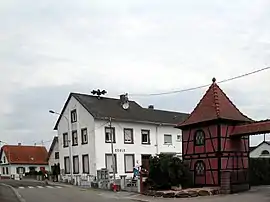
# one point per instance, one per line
(157, 151)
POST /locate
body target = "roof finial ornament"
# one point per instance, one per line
(214, 80)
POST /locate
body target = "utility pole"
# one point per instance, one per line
(112, 140)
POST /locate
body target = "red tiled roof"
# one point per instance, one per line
(214, 105)
(258, 127)
(18, 154)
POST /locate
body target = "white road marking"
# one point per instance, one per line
(21, 187)
(58, 187)
(30, 187)
(49, 187)
(40, 187)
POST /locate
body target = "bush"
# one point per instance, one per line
(166, 171)
(259, 172)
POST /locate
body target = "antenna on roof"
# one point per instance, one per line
(98, 92)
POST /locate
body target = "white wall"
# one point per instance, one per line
(256, 153)
(12, 169)
(4, 159)
(97, 148)
(84, 120)
(52, 159)
(137, 148)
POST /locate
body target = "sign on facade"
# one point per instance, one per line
(120, 150)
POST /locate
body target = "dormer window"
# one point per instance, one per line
(73, 115)
(199, 138)
(265, 153)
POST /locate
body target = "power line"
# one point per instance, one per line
(199, 87)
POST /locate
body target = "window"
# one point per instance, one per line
(74, 138)
(65, 140)
(3, 171)
(199, 138)
(4, 159)
(108, 134)
(145, 136)
(56, 155)
(129, 163)
(167, 139)
(85, 159)
(200, 168)
(128, 136)
(73, 115)
(109, 163)
(265, 152)
(7, 170)
(20, 170)
(178, 138)
(76, 164)
(84, 136)
(67, 165)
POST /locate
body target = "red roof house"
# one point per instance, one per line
(18, 159)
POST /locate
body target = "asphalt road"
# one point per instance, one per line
(7, 195)
(39, 192)
(34, 191)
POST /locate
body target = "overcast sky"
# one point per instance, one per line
(49, 48)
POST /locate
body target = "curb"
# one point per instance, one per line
(19, 197)
(61, 184)
(139, 200)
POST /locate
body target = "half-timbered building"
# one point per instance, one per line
(216, 141)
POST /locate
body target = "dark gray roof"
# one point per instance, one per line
(109, 107)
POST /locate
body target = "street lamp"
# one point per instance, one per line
(69, 143)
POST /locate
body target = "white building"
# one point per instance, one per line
(260, 151)
(137, 133)
(53, 154)
(18, 159)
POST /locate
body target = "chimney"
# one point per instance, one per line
(19, 144)
(151, 107)
(124, 98)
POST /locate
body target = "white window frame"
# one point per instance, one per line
(84, 134)
(67, 165)
(179, 138)
(106, 162)
(65, 140)
(56, 155)
(131, 141)
(75, 140)
(107, 131)
(145, 132)
(73, 115)
(85, 164)
(169, 136)
(76, 164)
(129, 170)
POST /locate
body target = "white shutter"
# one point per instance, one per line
(109, 163)
(129, 163)
(67, 165)
(86, 164)
(76, 164)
